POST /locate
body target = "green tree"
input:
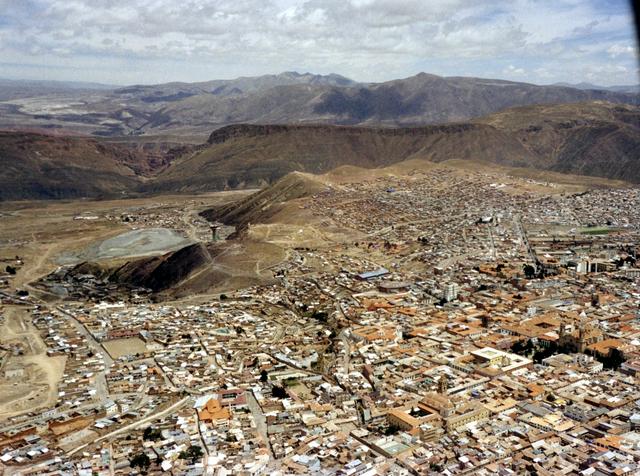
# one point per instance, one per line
(151, 434)
(544, 352)
(322, 316)
(436, 467)
(529, 347)
(613, 360)
(264, 376)
(279, 392)
(141, 460)
(529, 271)
(193, 454)
(392, 430)
(518, 347)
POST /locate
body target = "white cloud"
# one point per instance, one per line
(513, 71)
(619, 50)
(364, 39)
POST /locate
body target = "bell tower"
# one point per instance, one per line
(443, 384)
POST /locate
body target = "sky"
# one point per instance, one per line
(155, 41)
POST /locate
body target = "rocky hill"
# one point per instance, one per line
(258, 207)
(162, 272)
(156, 273)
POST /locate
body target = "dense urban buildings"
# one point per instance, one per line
(436, 322)
(393, 237)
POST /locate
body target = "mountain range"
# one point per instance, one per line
(190, 111)
(628, 88)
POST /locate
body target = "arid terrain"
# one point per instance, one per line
(194, 109)
(302, 274)
(31, 377)
(135, 241)
(575, 138)
(122, 317)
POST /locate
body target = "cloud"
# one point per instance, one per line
(619, 50)
(154, 40)
(513, 71)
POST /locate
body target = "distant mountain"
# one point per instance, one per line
(170, 92)
(427, 99)
(595, 138)
(629, 89)
(194, 109)
(45, 83)
(17, 89)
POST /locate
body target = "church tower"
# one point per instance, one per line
(581, 337)
(443, 384)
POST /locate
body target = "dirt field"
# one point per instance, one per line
(76, 439)
(143, 242)
(27, 381)
(119, 347)
(41, 231)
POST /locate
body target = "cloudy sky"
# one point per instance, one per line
(151, 41)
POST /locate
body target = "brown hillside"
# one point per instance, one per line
(252, 156)
(597, 138)
(156, 272)
(162, 272)
(197, 268)
(40, 166)
(261, 205)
